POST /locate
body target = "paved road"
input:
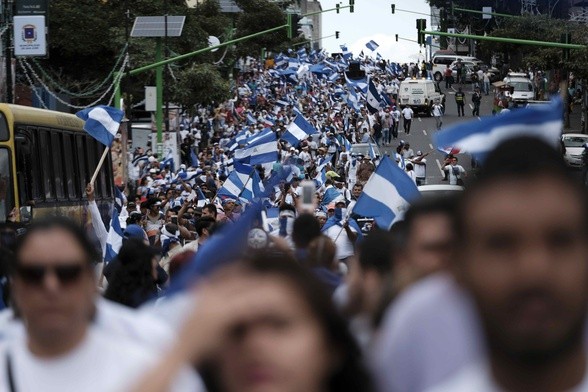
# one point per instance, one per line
(423, 127)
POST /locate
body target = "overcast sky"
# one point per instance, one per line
(373, 20)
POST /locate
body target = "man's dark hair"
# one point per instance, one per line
(211, 207)
(204, 222)
(287, 207)
(376, 252)
(60, 223)
(305, 229)
(518, 158)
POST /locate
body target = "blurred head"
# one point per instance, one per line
(295, 342)
(428, 237)
(369, 271)
(53, 284)
(523, 252)
(305, 229)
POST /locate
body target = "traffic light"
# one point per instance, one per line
(351, 5)
(393, 6)
(396, 37)
(293, 21)
(336, 35)
(337, 6)
(421, 26)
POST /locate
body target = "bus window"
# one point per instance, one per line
(3, 128)
(45, 154)
(68, 163)
(6, 199)
(80, 160)
(58, 173)
(27, 173)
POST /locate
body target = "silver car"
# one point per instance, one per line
(574, 145)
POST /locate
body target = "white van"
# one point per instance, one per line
(420, 94)
(441, 61)
(523, 90)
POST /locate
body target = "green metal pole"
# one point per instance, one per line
(159, 99)
(330, 9)
(204, 50)
(507, 40)
(486, 13)
(412, 12)
(117, 90)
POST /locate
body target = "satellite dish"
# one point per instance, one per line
(213, 41)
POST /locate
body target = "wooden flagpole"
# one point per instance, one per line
(100, 163)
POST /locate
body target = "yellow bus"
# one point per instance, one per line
(46, 160)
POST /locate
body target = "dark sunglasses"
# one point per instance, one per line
(35, 274)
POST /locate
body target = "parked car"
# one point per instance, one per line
(364, 149)
(574, 145)
(439, 190)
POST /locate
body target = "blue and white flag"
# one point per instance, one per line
(330, 195)
(371, 151)
(378, 57)
(298, 130)
(194, 161)
(387, 194)
(352, 99)
(260, 149)
(102, 122)
(140, 159)
(168, 162)
(242, 182)
(114, 239)
(480, 137)
(360, 84)
(372, 45)
(119, 199)
(374, 99)
(343, 48)
(251, 120)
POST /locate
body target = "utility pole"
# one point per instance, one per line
(165, 73)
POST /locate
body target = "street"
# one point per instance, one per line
(423, 128)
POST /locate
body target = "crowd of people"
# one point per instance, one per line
(269, 287)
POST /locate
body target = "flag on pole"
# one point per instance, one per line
(262, 148)
(387, 194)
(114, 239)
(372, 45)
(298, 130)
(480, 137)
(102, 122)
(374, 99)
(378, 57)
(352, 99)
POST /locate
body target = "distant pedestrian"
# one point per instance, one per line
(407, 113)
(456, 172)
(396, 118)
(476, 100)
(448, 75)
(437, 112)
(460, 101)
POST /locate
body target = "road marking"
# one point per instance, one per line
(471, 106)
(453, 88)
(425, 132)
(479, 119)
(419, 119)
(440, 168)
(431, 146)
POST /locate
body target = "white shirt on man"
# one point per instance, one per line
(407, 113)
(101, 363)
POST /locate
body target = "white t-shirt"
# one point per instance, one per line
(420, 171)
(101, 363)
(339, 236)
(437, 110)
(407, 113)
(455, 173)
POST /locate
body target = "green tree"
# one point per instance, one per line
(259, 15)
(199, 84)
